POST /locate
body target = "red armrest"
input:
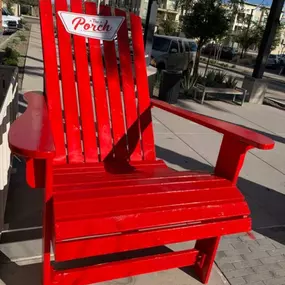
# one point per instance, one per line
(30, 135)
(249, 137)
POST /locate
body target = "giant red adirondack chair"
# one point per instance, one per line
(89, 142)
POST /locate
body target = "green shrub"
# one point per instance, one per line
(233, 66)
(10, 56)
(210, 78)
(10, 61)
(22, 37)
(231, 82)
(220, 76)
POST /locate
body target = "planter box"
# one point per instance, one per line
(217, 90)
(8, 113)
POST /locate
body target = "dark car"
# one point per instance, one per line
(227, 52)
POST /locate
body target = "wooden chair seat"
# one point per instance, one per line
(94, 200)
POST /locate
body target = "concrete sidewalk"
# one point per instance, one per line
(183, 145)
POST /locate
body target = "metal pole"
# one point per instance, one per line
(268, 37)
(149, 28)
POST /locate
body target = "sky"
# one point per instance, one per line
(265, 2)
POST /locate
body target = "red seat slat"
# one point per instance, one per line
(84, 93)
(106, 223)
(117, 243)
(137, 188)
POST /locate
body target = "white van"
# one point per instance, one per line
(10, 23)
(173, 53)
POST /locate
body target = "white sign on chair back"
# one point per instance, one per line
(90, 26)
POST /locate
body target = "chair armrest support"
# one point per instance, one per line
(236, 141)
(30, 135)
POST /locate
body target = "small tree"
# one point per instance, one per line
(248, 37)
(168, 26)
(207, 21)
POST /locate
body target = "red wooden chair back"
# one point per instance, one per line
(99, 109)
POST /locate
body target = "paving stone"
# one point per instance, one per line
(247, 263)
(279, 273)
(230, 259)
(276, 252)
(227, 267)
(263, 247)
(278, 244)
(232, 239)
(258, 277)
(255, 255)
(238, 273)
(220, 255)
(244, 245)
(225, 245)
(237, 252)
(276, 281)
(272, 259)
(265, 241)
(282, 264)
(267, 267)
(237, 281)
(259, 283)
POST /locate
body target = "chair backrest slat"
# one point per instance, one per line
(52, 79)
(104, 116)
(71, 115)
(114, 94)
(99, 90)
(130, 106)
(84, 92)
(142, 88)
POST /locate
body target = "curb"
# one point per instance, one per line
(31, 17)
(2, 45)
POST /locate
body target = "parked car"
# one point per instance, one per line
(10, 23)
(227, 52)
(173, 53)
(273, 60)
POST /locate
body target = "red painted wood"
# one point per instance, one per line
(231, 158)
(51, 79)
(47, 224)
(120, 269)
(142, 88)
(138, 189)
(133, 132)
(208, 248)
(114, 95)
(68, 88)
(34, 122)
(99, 90)
(82, 226)
(239, 133)
(130, 183)
(35, 172)
(118, 243)
(109, 179)
(112, 167)
(84, 92)
(157, 200)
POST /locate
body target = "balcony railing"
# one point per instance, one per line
(8, 113)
